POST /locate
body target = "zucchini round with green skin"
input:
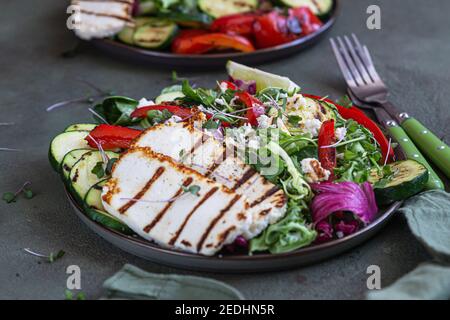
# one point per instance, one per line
(155, 33)
(69, 161)
(94, 210)
(64, 143)
(81, 127)
(407, 178)
(127, 33)
(81, 178)
(169, 97)
(318, 7)
(220, 8)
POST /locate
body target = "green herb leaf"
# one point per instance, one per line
(174, 76)
(194, 189)
(68, 294)
(345, 101)
(211, 124)
(28, 193)
(294, 119)
(116, 110)
(9, 197)
(55, 256)
(81, 296)
(98, 170)
(158, 116)
(110, 164)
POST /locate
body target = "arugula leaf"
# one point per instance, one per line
(117, 110)
(98, 170)
(345, 101)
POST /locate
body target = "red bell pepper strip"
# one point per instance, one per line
(360, 117)
(228, 85)
(255, 107)
(308, 20)
(175, 110)
(184, 43)
(271, 30)
(327, 155)
(112, 137)
(239, 24)
(221, 41)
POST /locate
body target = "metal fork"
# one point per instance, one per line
(366, 85)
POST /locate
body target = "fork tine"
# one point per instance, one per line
(366, 59)
(348, 60)
(371, 68)
(358, 63)
(344, 69)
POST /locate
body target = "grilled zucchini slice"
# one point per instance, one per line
(220, 8)
(406, 179)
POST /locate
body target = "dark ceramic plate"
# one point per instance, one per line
(236, 263)
(161, 58)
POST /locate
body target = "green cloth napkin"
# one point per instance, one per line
(134, 283)
(428, 217)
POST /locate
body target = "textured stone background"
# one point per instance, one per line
(412, 53)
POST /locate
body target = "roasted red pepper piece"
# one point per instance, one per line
(271, 30)
(221, 41)
(327, 156)
(201, 42)
(175, 110)
(184, 43)
(228, 85)
(240, 24)
(255, 107)
(112, 137)
(359, 116)
(309, 22)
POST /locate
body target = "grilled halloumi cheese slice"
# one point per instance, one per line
(101, 19)
(201, 152)
(147, 191)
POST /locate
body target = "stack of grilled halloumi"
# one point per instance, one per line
(148, 185)
(101, 18)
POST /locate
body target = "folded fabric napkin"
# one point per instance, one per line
(428, 216)
(134, 283)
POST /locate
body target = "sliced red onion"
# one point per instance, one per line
(344, 196)
(249, 86)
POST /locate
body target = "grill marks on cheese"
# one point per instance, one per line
(198, 224)
(195, 149)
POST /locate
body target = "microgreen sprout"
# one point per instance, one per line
(52, 257)
(9, 197)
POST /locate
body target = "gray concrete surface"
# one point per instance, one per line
(412, 52)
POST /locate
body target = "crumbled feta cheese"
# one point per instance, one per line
(313, 171)
(145, 103)
(296, 101)
(340, 133)
(312, 126)
(220, 102)
(340, 156)
(223, 86)
(174, 119)
(264, 121)
(282, 126)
